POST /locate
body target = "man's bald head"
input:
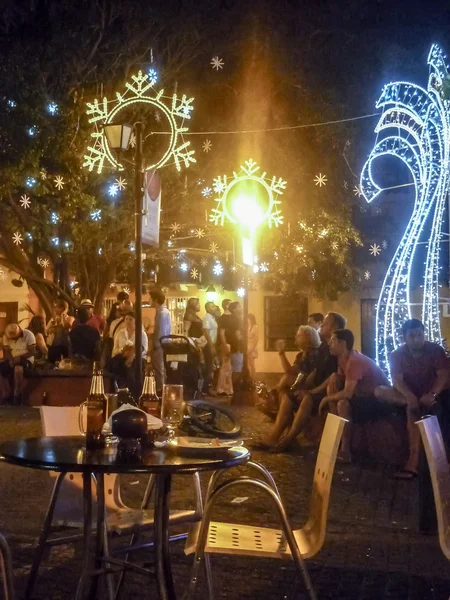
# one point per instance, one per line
(12, 331)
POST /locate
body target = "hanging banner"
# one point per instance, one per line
(152, 208)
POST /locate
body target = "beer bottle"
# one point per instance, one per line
(149, 401)
(96, 410)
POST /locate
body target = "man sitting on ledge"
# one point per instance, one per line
(419, 372)
(351, 391)
(19, 348)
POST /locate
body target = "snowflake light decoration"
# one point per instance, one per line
(139, 91)
(384, 244)
(357, 191)
(54, 219)
(96, 215)
(367, 275)
(217, 63)
(199, 233)
(240, 292)
(3, 275)
(52, 108)
(175, 228)
(206, 146)
(204, 262)
(213, 247)
(206, 192)
(17, 238)
(184, 267)
(194, 273)
(59, 182)
(250, 172)
(121, 183)
(43, 174)
(126, 289)
(25, 201)
(152, 76)
(264, 267)
(44, 262)
(233, 268)
(320, 180)
(375, 250)
(345, 184)
(218, 269)
(113, 190)
(30, 182)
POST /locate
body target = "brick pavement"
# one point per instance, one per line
(372, 550)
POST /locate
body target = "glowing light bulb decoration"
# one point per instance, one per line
(140, 91)
(415, 126)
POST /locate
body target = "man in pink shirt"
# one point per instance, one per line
(94, 321)
(358, 376)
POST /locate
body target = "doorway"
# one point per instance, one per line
(9, 313)
(368, 327)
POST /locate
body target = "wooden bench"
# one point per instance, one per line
(61, 388)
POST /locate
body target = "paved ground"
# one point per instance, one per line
(372, 550)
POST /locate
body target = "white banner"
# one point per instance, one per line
(152, 206)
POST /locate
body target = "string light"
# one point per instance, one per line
(139, 91)
(421, 139)
(30, 182)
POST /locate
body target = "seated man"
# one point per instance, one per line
(19, 348)
(420, 373)
(298, 405)
(85, 339)
(359, 376)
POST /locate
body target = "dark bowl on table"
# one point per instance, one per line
(129, 424)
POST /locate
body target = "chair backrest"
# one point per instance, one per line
(440, 477)
(315, 527)
(60, 420)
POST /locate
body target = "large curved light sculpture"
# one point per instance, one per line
(415, 128)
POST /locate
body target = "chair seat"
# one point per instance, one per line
(132, 520)
(230, 538)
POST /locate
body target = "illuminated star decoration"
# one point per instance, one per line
(96, 215)
(44, 262)
(375, 250)
(367, 275)
(184, 267)
(157, 116)
(175, 228)
(250, 172)
(199, 233)
(217, 63)
(414, 127)
(132, 140)
(59, 182)
(126, 290)
(43, 174)
(17, 238)
(52, 108)
(194, 273)
(206, 192)
(345, 185)
(3, 275)
(121, 183)
(320, 180)
(30, 182)
(218, 269)
(113, 190)
(54, 219)
(152, 76)
(233, 269)
(384, 244)
(204, 262)
(139, 91)
(213, 247)
(357, 191)
(207, 145)
(240, 292)
(25, 201)
(264, 267)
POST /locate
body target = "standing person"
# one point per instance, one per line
(235, 340)
(210, 328)
(252, 344)
(19, 348)
(419, 374)
(116, 311)
(95, 321)
(163, 327)
(37, 328)
(315, 320)
(192, 323)
(58, 329)
(85, 340)
(360, 376)
(224, 382)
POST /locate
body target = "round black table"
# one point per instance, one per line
(69, 454)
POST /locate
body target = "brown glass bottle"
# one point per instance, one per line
(149, 401)
(96, 410)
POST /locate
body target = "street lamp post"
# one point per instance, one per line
(118, 137)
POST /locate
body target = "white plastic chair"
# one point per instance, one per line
(6, 570)
(440, 477)
(230, 538)
(66, 503)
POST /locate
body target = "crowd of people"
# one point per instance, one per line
(328, 374)
(218, 338)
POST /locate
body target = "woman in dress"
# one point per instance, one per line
(252, 344)
(58, 329)
(192, 323)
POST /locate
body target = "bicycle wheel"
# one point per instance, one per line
(215, 420)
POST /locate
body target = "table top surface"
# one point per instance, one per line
(68, 453)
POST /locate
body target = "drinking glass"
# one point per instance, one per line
(172, 408)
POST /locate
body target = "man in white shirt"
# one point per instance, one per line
(19, 348)
(210, 332)
(163, 327)
(125, 307)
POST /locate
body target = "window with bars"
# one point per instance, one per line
(177, 308)
(282, 317)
